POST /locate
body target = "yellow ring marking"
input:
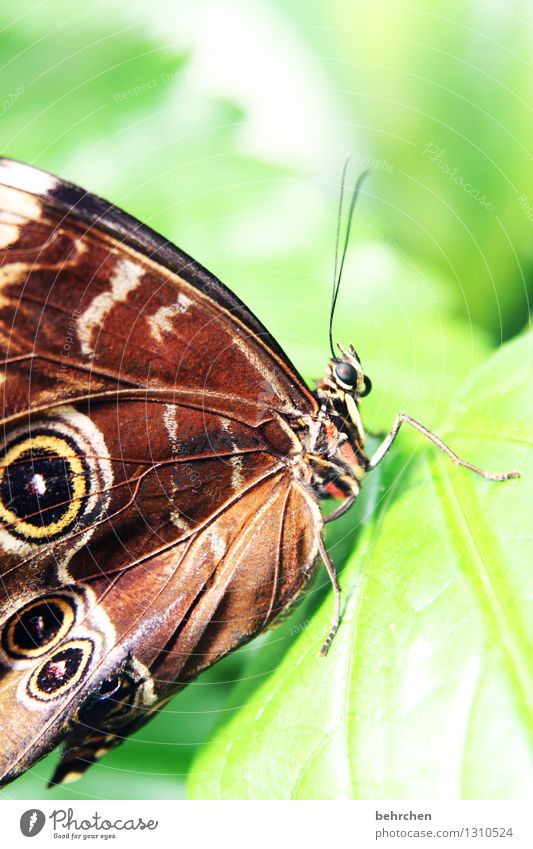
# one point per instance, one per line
(66, 609)
(87, 648)
(63, 450)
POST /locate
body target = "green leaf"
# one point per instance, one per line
(427, 691)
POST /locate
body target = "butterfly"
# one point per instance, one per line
(161, 471)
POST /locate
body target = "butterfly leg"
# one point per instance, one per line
(341, 510)
(80, 753)
(403, 417)
(330, 568)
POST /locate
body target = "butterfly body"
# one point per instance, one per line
(162, 464)
(160, 474)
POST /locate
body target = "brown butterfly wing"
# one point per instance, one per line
(167, 404)
(104, 304)
(252, 561)
(171, 619)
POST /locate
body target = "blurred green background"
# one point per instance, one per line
(224, 125)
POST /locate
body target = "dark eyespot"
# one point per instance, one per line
(346, 374)
(38, 627)
(366, 388)
(43, 482)
(62, 671)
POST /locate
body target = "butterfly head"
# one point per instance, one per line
(346, 374)
(344, 383)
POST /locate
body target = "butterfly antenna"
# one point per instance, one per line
(339, 266)
(337, 245)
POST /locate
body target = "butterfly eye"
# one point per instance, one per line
(367, 387)
(346, 375)
(62, 671)
(43, 483)
(108, 688)
(113, 699)
(38, 627)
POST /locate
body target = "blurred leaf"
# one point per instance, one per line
(442, 93)
(427, 691)
(68, 81)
